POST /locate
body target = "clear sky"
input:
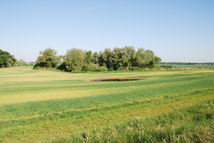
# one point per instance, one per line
(176, 30)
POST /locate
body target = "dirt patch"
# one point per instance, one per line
(118, 79)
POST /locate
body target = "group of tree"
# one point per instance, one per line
(6, 59)
(76, 60)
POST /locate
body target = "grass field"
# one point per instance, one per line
(53, 106)
(190, 65)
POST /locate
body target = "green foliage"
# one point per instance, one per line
(47, 59)
(135, 69)
(6, 59)
(166, 66)
(77, 60)
(93, 67)
(126, 58)
(88, 57)
(74, 60)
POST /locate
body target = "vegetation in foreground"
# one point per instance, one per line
(50, 106)
(194, 124)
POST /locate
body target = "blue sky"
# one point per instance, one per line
(176, 30)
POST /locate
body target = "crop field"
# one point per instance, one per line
(57, 107)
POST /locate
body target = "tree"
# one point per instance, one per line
(125, 58)
(21, 62)
(95, 58)
(88, 57)
(155, 62)
(6, 59)
(74, 60)
(117, 59)
(128, 57)
(47, 59)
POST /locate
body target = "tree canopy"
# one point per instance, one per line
(74, 60)
(47, 59)
(126, 58)
(6, 59)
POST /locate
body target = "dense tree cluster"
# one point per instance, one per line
(6, 59)
(126, 58)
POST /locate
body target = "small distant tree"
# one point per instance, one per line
(47, 59)
(6, 59)
(22, 63)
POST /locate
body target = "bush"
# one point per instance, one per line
(62, 67)
(166, 66)
(93, 67)
(102, 68)
(135, 69)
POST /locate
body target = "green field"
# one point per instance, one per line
(54, 106)
(190, 65)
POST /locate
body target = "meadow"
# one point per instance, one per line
(51, 106)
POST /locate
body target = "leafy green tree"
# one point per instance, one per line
(128, 56)
(95, 57)
(143, 58)
(74, 60)
(6, 59)
(125, 58)
(88, 57)
(47, 59)
(155, 62)
(106, 57)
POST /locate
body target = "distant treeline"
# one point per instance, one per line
(171, 65)
(188, 63)
(126, 58)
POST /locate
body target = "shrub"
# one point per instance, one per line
(93, 67)
(135, 69)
